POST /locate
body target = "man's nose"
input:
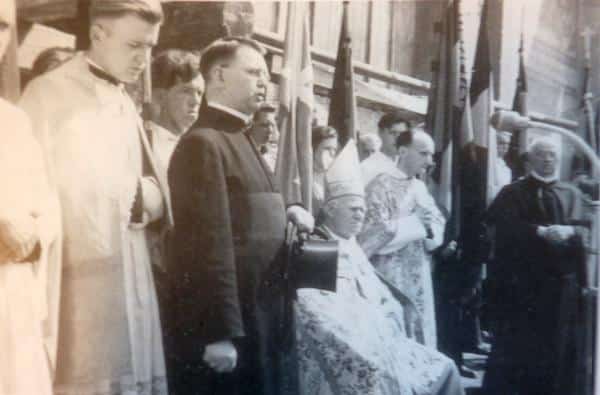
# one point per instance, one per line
(141, 57)
(196, 99)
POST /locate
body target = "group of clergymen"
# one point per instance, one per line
(103, 212)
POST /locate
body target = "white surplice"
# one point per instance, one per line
(109, 329)
(353, 341)
(393, 197)
(24, 368)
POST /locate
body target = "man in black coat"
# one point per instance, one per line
(537, 278)
(228, 239)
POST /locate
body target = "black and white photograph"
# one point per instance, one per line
(328, 197)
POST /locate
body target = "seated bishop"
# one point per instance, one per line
(360, 338)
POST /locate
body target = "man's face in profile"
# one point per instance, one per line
(346, 215)
(244, 80)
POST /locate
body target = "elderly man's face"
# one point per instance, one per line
(345, 216)
(544, 159)
(124, 44)
(183, 102)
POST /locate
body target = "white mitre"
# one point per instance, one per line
(343, 178)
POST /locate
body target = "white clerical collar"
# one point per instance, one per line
(546, 180)
(244, 117)
(101, 73)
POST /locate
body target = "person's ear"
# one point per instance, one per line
(97, 32)
(159, 96)
(218, 74)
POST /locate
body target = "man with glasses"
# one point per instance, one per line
(228, 239)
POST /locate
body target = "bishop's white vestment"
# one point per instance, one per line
(353, 341)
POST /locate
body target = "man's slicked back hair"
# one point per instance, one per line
(174, 66)
(224, 49)
(148, 10)
(391, 118)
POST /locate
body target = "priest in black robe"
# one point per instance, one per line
(537, 277)
(225, 314)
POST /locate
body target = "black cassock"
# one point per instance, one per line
(225, 267)
(536, 286)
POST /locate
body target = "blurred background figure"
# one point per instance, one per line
(24, 231)
(325, 145)
(264, 133)
(502, 173)
(368, 144)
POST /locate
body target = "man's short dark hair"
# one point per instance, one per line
(148, 10)
(405, 139)
(174, 66)
(224, 49)
(391, 118)
(265, 108)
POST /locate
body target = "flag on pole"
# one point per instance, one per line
(293, 169)
(448, 115)
(482, 153)
(518, 143)
(342, 108)
(520, 98)
(589, 122)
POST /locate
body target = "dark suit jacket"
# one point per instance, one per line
(227, 246)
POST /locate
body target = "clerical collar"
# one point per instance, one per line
(545, 180)
(99, 72)
(244, 117)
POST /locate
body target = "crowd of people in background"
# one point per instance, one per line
(147, 257)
